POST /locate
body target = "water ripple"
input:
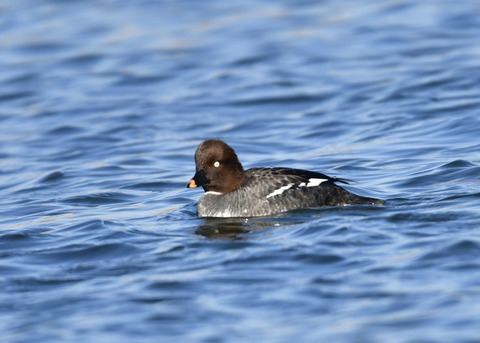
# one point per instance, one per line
(103, 106)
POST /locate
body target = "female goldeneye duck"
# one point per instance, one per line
(231, 191)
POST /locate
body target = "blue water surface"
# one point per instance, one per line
(102, 105)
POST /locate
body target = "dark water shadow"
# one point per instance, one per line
(237, 228)
(230, 228)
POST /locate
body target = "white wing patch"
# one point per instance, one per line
(280, 190)
(314, 182)
(311, 183)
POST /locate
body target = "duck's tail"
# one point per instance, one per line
(340, 196)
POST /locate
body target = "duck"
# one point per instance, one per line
(231, 191)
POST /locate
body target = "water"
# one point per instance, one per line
(102, 104)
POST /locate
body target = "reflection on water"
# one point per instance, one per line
(223, 228)
(233, 228)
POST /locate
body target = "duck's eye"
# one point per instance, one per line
(216, 164)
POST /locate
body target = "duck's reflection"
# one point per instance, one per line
(236, 228)
(231, 228)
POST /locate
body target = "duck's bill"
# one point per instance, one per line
(199, 179)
